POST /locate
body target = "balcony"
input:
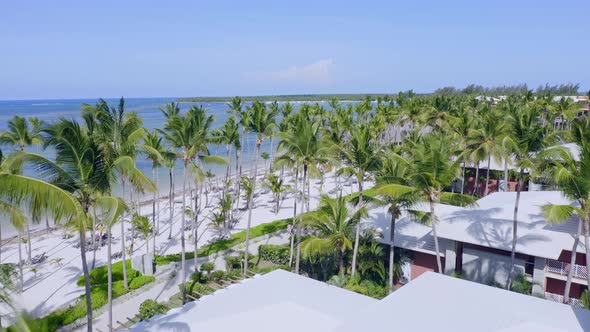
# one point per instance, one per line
(559, 298)
(563, 268)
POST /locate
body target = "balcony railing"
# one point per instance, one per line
(562, 268)
(559, 298)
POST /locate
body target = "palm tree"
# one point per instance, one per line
(360, 156)
(573, 179)
(20, 136)
(228, 134)
(82, 170)
(154, 148)
(262, 122)
(247, 184)
(527, 137)
(394, 171)
(117, 133)
(486, 142)
(142, 224)
(169, 160)
(303, 146)
(276, 185)
(332, 228)
(190, 134)
(431, 170)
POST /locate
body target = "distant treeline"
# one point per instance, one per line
(309, 97)
(472, 89)
(506, 90)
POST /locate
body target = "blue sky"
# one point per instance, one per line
(74, 49)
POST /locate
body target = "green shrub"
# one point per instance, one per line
(199, 277)
(274, 253)
(98, 296)
(207, 267)
(140, 281)
(150, 308)
(217, 275)
(233, 263)
(99, 275)
(522, 285)
(224, 244)
(196, 287)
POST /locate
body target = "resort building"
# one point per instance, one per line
(476, 243)
(283, 301)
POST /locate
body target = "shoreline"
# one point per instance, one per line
(40, 230)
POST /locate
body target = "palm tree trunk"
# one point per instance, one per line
(506, 175)
(171, 200)
(436, 247)
(357, 235)
(86, 278)
(157, 204)
(570, 273)
(94, 222)
(463, 179)
(515, 229)
(476, 179)
(133, 210)
(228, 156)
(125, 281)
(485, 192)
(154, 212)
(47, 227)
(20, 261)
(293, 222)
(298, 256)
(258, 143)
(271, 153)
(195, 226)
(110, 279)
(391, 252)
(341, 262)
(182, 244)
(29, 243)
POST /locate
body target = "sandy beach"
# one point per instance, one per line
(52, 283)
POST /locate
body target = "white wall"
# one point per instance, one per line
(485, 267)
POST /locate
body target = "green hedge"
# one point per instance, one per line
(98, 296)
(234, 240)
(274, 253)
(150, 308)
(240, 237)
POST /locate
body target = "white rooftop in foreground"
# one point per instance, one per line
(277, 301)
(435, 302)
(282, 301)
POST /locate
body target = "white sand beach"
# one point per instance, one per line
(52, 283)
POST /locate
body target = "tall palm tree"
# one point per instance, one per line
(573, 179)
(189, 133)
(431, 170)
(303, 146)
(527, 137)
(20, 135)
(169, 160)
(360, 156)
(486, 141)
(117, 133)
(83, 171)
(228, 134)
(262, 122)
(332, 229)
(394, 171)
(154, 149)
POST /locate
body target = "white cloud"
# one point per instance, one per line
(317, 72)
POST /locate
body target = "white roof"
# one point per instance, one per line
(279, 300)
(436, 302)
(489, 224)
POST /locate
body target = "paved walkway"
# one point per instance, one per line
(164, 287)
